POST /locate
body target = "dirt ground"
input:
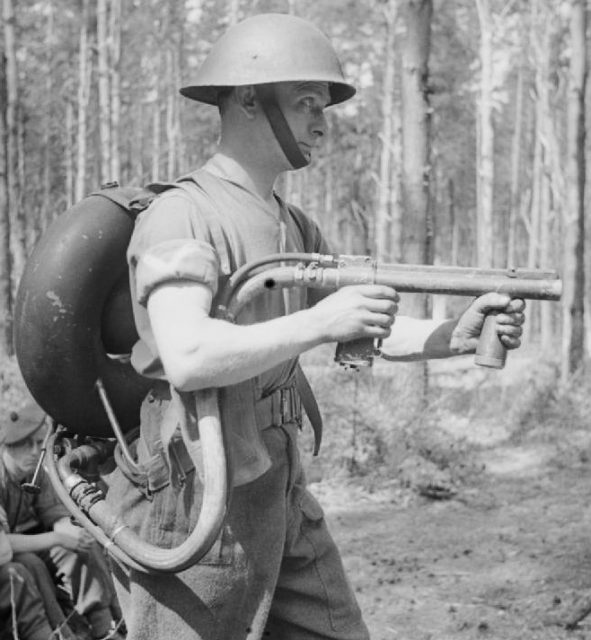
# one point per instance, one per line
(507, 557)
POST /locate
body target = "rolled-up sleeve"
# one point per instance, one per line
(171, 243)
(176, 261)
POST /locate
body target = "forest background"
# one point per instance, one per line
(465, 144)
(461, 511)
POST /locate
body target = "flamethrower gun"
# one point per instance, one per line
(333, 272)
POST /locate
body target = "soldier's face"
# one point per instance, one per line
(303, 105)
(24, 455)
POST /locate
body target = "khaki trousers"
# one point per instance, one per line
(274, 572)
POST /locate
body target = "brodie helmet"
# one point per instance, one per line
(265, 49)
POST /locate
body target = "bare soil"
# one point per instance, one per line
(507, 557)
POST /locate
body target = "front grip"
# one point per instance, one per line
(490, 351)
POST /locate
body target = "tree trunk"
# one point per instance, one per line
(172, 133)
(383, 217)
(84, 72)
(534, 220)
(574, 218)
(137, 143)
(69, 154)
(234, 11)
(156, 127)
(485, 137)
(546, 330)
(396, 213)
(416, 169)
(47, 119)
(115, 82)
(6, 299)
(453, 223)
(104, 93)
(17, 227)
(514, 203)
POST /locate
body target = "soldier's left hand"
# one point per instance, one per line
(509, 321)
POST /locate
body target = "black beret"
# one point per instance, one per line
(18, 425)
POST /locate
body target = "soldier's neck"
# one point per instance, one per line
(253, 176)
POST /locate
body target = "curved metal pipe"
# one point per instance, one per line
(244, 272)
(126, 545)
(80, 516)
(441, 281)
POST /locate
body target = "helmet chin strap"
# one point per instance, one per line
(268, 99)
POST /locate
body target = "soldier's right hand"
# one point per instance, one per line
(77, 540)
(356, 311)
(67, 541)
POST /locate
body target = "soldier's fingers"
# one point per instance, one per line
(516, 318)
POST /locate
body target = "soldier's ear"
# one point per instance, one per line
(247, 100)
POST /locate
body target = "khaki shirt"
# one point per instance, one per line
(203, 235)
(21, 512)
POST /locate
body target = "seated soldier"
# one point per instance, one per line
(22, 612)
(30, 582)
(38, 524)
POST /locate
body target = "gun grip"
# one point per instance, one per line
(356, 353)
(490, 351)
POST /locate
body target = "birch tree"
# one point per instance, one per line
(84, 75)
(416, 115)
(115, 20)
(17, 220)
(574, 218)
(416, 163)
(6, 299)
(516, 160)
(386, 181)
(47, 121)
(485, 138)
(104, 93)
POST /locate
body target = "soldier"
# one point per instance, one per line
(274, 572)
(39, 526)
(22, 612)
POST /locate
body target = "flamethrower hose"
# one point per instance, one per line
(127, 546)
(79, 516)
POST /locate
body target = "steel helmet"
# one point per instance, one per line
(268, 48)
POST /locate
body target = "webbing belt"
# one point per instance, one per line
(285, 405)
(280, 407)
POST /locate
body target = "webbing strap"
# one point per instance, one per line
(310, 406)
(191, 183)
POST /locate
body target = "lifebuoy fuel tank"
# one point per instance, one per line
(73, 316)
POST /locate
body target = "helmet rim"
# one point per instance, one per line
(269, 48)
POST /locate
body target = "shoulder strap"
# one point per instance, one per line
(307, 396)
(189, 184)
(132, 199)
